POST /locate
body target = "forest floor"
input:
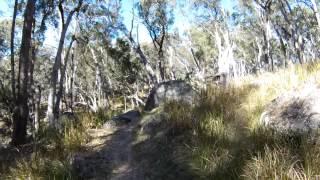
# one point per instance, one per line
(109, 154)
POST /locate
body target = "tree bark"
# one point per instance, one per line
(21, 112)
(161, 64)
(98, 84)
(13, 79)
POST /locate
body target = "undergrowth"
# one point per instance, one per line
(53, 151)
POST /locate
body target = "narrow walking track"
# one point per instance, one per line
(109, 154)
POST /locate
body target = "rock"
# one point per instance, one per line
(128, 116)
(175, 90)
(124, 118)
(295, 111)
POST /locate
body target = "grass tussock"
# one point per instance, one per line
(224, 140)
(275, 163)
(180, 115)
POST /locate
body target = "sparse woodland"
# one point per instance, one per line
(206, 92)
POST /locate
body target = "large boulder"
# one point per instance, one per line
(295, 111)
(175, 90)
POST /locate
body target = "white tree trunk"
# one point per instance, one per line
(98, 84)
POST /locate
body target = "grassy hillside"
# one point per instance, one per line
(220, 138)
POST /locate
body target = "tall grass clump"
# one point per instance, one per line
(74, 137)
(179, 115)
(220, 131)
(215, 125)
(278, 163)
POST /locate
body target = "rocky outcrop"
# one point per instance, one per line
(175, 90)
(295, 111)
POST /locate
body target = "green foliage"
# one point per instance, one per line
(157, 17)
(127, 66)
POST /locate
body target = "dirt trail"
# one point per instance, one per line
(109, 155)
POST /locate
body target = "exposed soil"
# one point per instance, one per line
(109, 154)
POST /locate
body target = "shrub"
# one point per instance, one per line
(74, 137)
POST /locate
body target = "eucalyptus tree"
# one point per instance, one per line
(96, 29)
(135, 45)
(44, 14)
(308, 20)
(66, 16)
(13, 81)
(216, 29)
(264, 8)
(157, 16)
(21, 112)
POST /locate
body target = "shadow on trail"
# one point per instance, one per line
(159, 152)
(108, 154)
